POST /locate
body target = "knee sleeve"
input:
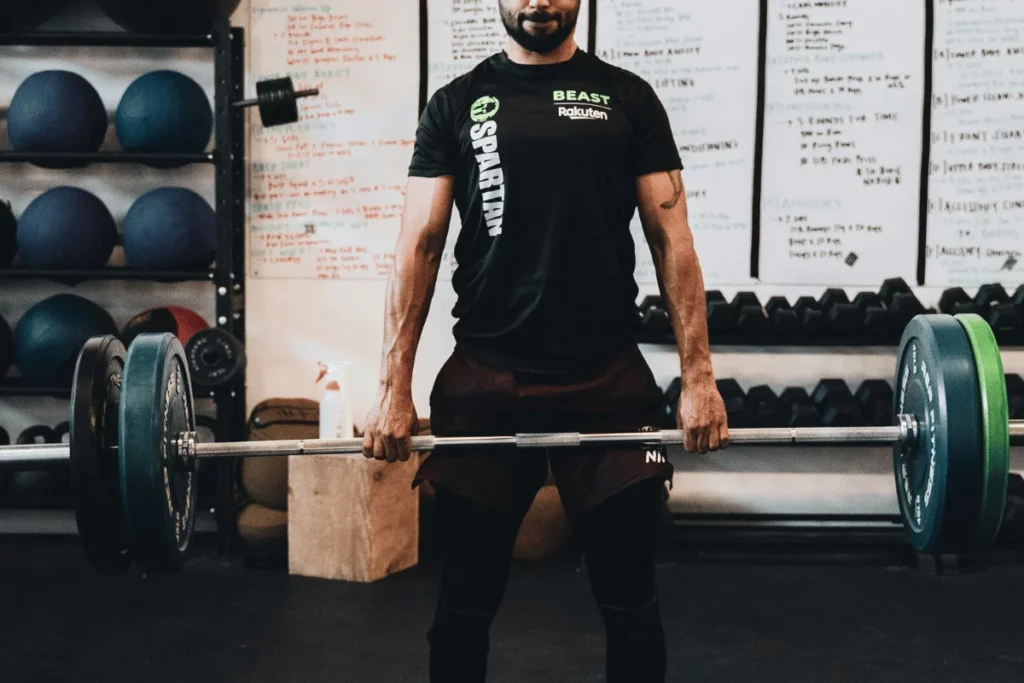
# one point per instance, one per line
(636, 644)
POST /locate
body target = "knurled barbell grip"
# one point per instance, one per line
(554, 440)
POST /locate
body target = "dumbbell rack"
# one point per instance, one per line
(227, 276)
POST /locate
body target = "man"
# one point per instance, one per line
(547, 152)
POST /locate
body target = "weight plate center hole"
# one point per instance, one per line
(917, 396)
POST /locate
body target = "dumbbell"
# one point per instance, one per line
(875, 399)
(721, 316)
(735, 403)
(654, 318)
(1018, 299)
(1015, 396)
(842, 319)
(751, 321)
(798, 408)
(782, 317)
(903, 306)
(875, 319)
(1003, 316)
(764, 407)
(277, 100)
(810, 316)
(836, 404)
(954, 300)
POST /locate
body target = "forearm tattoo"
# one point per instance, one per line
(677, 187)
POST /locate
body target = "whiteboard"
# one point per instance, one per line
(843, 126)
(702, 59)
(976, 179)
(326, 193)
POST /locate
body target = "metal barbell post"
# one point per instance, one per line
(299, 94)
(35, 453)
(189, 448)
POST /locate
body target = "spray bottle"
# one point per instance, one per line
(336, 403)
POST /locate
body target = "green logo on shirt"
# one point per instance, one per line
(484, 109)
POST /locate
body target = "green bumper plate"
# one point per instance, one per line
(92, 434)
(995, 417)
(158, 491)
(938, 481)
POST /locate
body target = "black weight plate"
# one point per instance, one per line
(158, 490)
(278, 105)
(215, 358)
(95, 483)
(939, 482)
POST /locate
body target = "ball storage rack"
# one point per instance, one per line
(227, 276)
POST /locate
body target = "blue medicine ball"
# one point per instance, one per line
(170, 228)
(66, 227)
(164, 112)
(56, 111)
(51, 334)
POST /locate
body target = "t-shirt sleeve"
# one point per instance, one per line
(435, 152)
(654, 147)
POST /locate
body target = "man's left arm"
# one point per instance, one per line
(661, 200)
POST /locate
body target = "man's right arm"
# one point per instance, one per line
(418, 253)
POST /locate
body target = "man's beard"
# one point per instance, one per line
(540, 43)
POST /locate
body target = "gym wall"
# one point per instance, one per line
(325, 193)
(843, 172)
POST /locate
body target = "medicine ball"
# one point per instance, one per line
(181, 322)
(6, 347)
(170, 228)
(168, 16)
(66, 227)
(51, 334)
(18, 15)
(8, 234)
(56, 111)
(164, 112)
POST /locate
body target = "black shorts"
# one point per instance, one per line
(471, 399)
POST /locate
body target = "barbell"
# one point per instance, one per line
(277, 101)
(133, 452)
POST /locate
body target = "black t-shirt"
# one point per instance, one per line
(545, 160)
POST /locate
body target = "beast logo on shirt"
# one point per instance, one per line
(595, 108)
(484, 135)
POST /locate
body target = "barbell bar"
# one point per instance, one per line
(186, 447)
(133, 451)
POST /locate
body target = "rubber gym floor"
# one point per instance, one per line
(766, 620)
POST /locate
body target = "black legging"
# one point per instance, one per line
(619, 540)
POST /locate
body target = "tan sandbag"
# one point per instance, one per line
(265, 480)
(262, 528)
(546, 528)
